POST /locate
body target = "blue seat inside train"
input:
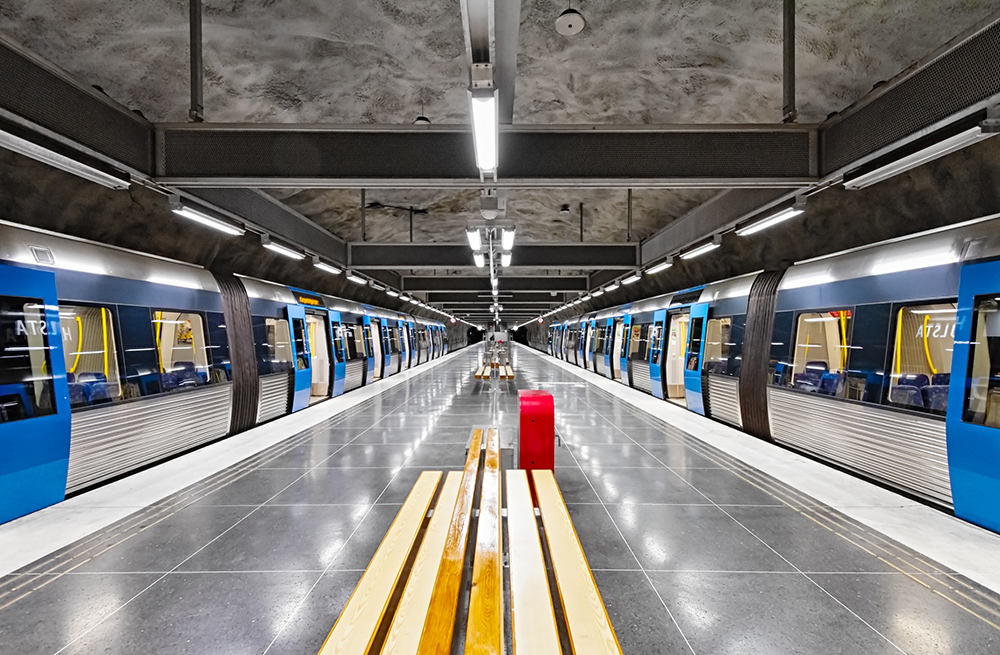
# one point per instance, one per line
(918, 380)
(907, 395)
(935, 397)
(94, 387)
(811, 378)
(830, 384)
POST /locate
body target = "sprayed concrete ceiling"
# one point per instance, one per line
(379, 61)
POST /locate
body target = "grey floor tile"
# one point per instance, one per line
(650, 435)
(336, 487)
(643, 485)
(254, 488)
(305, 631)
(585, 436)
(50, 617)
(201, 613)
(602, 542)
(358, 551)
(612, 456)
(692, 537)
(438, 455)
(681, 455)
(763, 613)
(282, 538)
(369, 456)
(165, 544)
(914, 617)
(574, 485)
(726, 487)
(639, 618)
(305, 456)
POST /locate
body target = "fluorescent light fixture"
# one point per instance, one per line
(703, 248)
(208, 221)
(377, 287)
(391, 293)
(328, 268)
(474, 237)
(280, 249)
(612, 287)
(773, 219)
(662, 266)
(494, 282)
(479, 259)
(404, 298)
(585, 298)
(507, 238)
(930, 153)
(62, 162)
(355, 279)
(505, 259)
(484, 129)
(635, 277)
(597, 293)
(413, 300)
(496, 292)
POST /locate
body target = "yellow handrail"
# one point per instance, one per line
(927, 349)
(79, 344)
(104, 330)
(899, 343)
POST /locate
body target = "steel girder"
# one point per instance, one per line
(395, 256)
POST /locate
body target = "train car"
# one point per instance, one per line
(883, 360)
(112, 360)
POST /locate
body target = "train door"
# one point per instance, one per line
(388, 366)
(615, 358)
(404, 346)
(609, 348)
(34, 396)
(693, 358)
(675, 358)
(412, 341)
(586, 336)
(655, 356)
(302, 387)
(318, 347)
(373, 349)
(338, 352)
(973, 415)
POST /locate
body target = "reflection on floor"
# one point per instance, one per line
(692, 550)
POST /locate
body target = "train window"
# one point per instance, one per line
(821, 347)
(88, 337)
(982, 400)
(301, 351)
(26, 386)
(694, 348)
(921, 356)
(338, 342)
(718, 341)
(655, 342)
(218, 356)
(781, 338)
(278, 341)
(867, 352)
(181, 349)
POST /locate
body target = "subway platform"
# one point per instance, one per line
(700, 538)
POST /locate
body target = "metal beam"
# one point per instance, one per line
(476, 297)
(789, 111)
(567, 284)
(197, 110)
(507, 21)
(394, 256)
(442, 156)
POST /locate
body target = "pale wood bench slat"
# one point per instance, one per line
(484, 633)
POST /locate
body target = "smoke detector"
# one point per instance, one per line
(570, 22)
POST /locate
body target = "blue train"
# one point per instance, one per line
(883, 360)
(111, 360)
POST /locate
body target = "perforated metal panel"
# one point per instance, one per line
(37, 94)
(640, 375)
(109, 441)
(904, 450)
(722, 399)
(968, 74)
(354, 374)
(275, 393)
(393, 367)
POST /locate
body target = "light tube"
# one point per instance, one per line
(597, 293)
(356, 280)
(323, 266)
(662, 266)
(475, 239)
(484, 129)
(280, 249)
(208, 221)
(939, 149)
(392, 294)
(632, 278)
(765, 223)
(414, 301)
(505, 259)
(377, 287)
(507, 238)
(700, 250)
(63, 163)
(585, 298)
(494, 282)
(612, 287)
(479, 258)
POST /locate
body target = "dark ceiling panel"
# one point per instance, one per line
(395, 256)
(567, 284)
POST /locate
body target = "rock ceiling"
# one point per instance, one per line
(638, 61)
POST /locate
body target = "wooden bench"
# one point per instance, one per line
(407, 601)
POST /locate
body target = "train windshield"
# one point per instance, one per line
(26, 388)
(982, 401)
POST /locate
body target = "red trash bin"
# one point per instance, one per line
(537, 447)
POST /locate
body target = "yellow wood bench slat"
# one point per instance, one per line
(408, 624)
(533, 619)
(586, 617)
(355, 630)
(484, 633)
(440, 622)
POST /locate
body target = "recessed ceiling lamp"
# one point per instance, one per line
(265, 241)
(662, 266)
(207, 220)
(703, 248)
(570, 22)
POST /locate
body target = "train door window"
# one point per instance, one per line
(655, 342)
(982, 400)
(26, 386)
(319, 355)
(88, 337)
(279, 344)
(718, 341)
(694, 346)
(921, 356)
(338, 342)
(676, 355)
(218, 356)
(181, 349)
(301, 349)
(821, 347)
(867, 365)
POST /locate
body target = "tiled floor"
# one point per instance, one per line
(692, 550)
